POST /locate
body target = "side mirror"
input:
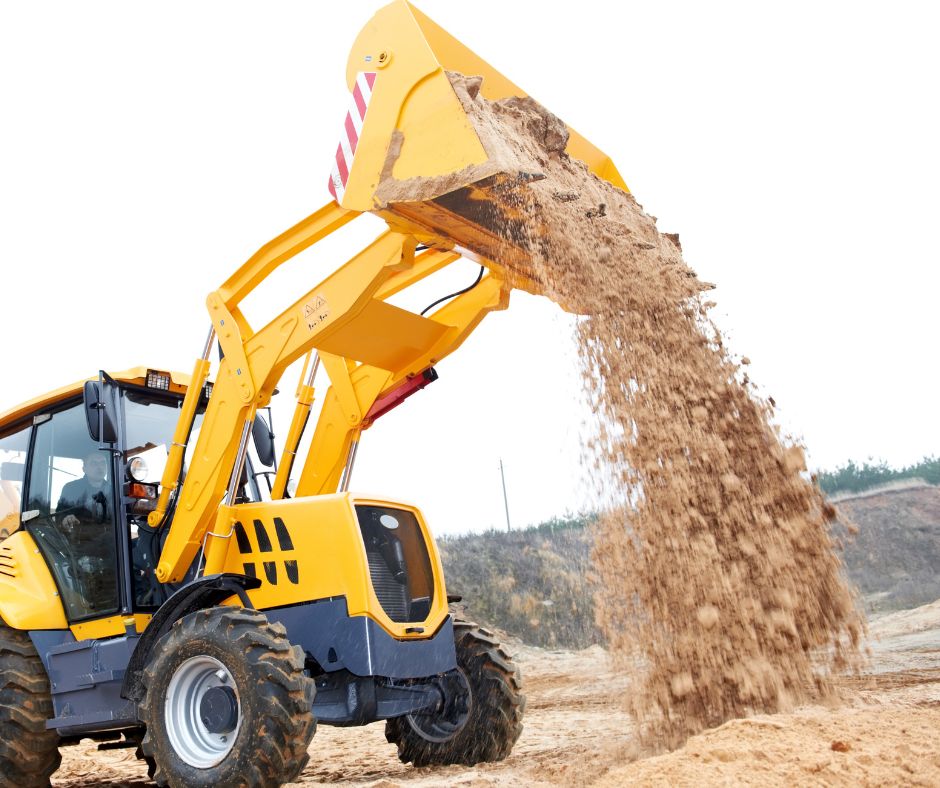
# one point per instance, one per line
(264, 440)
(100, 425)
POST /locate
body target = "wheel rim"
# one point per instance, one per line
(190, 736)
(443, 724)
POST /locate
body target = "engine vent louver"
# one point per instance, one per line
(7, 562)
(392, 595)
(399, 564)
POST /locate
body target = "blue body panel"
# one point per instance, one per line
(338, 641)
(86, 677)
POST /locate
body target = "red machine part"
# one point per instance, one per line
(398, 395)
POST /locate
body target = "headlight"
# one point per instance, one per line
(137, 469)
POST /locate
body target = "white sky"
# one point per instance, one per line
(147, 149)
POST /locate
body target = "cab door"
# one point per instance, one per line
(70, 511)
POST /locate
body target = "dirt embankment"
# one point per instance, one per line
(895, 555)
(531, 582)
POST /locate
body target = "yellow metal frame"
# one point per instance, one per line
(179, 384)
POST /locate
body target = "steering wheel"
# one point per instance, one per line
(58, 537)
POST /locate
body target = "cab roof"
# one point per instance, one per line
(179, 381)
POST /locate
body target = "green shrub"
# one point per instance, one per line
(854, 478)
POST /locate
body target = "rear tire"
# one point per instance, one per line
(260, 717)
(29, 754)
(494, 719)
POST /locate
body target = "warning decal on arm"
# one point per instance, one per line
(315, 312)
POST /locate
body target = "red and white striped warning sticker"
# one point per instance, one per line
(349, 139)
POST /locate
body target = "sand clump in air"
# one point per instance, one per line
(719, 584)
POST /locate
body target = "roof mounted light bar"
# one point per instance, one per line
(158, 380)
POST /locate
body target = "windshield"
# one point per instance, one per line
(150, 421)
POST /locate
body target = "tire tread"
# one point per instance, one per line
(493, 727)
(29, 754)
(286, 694)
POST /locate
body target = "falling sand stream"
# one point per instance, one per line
(719, 588)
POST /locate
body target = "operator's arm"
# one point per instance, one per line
(72, 497)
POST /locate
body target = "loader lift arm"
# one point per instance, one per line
(408, 123)
(368, 347)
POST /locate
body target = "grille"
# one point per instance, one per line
(392, 595)
(399, 564)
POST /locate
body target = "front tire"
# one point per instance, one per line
(29, 754)
(227, 703)
(490, 719)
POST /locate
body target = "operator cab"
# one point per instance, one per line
(85, 497)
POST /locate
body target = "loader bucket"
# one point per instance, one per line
(413, 150)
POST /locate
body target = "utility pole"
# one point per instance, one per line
(502, 474)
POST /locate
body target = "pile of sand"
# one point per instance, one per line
(719, 584)
(815, 746)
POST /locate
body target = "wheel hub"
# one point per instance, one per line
(202, 711)
(448, 719)
(218, 710)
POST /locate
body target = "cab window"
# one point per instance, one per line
(13, 448)
(70, 513)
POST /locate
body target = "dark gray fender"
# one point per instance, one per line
(202, 593)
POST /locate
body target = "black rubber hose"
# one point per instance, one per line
(459, 292)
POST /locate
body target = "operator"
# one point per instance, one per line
(86, 498)
(87, 524)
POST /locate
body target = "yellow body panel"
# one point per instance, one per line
(411, 94)
(28, 595)
(438, 113)
(329, 554)
(110, 626)
(403, 335)
(101, 627)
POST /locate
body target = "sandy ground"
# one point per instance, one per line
(885, 731)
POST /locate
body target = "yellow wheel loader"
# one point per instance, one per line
(167, 582)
